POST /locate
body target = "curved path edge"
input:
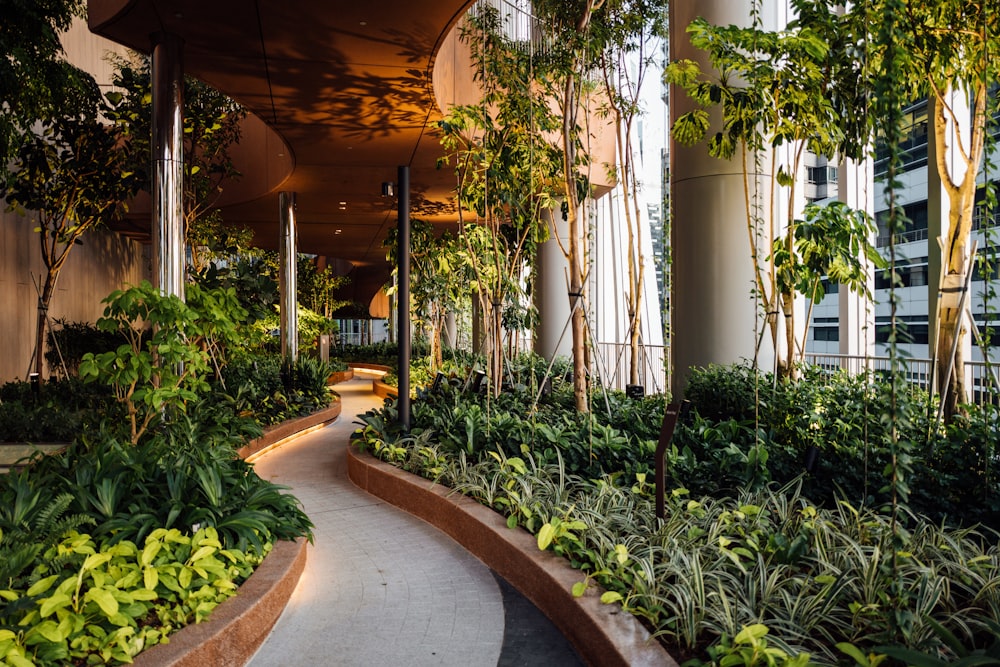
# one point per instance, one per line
(238, 626)
(275, 435)
(602, 634)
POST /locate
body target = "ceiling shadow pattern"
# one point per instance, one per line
(346, 85)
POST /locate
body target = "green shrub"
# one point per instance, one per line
(105, 603)
(60, 411)
(72, 340)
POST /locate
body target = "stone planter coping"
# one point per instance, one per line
(602, 634)
(275, 435)
(341, 376)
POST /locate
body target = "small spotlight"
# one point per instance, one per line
(387, 189)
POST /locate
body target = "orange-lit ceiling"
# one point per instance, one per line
(346, 89)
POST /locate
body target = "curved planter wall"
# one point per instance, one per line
(602, 634)
(238, 626)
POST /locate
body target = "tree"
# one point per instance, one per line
(798, 89)
(211, 126)
(36, 81)
(71, 176)
(947, 50)
(154, 372)
(574, 53)
(438, 280)
(507, 174)
(632, 30)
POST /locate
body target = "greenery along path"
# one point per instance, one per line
(381, 587)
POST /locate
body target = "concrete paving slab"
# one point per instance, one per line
(382, 587)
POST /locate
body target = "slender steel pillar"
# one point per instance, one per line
(403, 295)
(287, 277)
(168, 164)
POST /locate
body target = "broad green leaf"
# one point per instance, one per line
(51, 604)
(611, 597)
(750, 633)
(104, 599)
(41, 586)
(50, 631)
(579, 588)
(545, 536)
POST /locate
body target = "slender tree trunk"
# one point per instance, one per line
(961, 205)
(41, 323)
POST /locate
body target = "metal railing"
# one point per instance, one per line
(611, 363)
(982, 379)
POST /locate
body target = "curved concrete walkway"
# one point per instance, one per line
(382, 587)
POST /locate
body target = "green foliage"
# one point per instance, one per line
(264, 388)
(212, 125)
(36, 79)
(715, 572)
(163, 371)
(735, 413)
(58, 413)
(107, 602)
(798, 89)
(71, 340)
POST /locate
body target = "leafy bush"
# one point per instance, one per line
(264, 389)
(71, 340)
(58, 413)
(833, 421)
(104, 603)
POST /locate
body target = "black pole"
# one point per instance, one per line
(403, 296)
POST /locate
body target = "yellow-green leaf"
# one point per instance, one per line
(610, 597)
(50, 604)
(50, 630)
(149, 552)
(41, 586)
(545, 536)
(579, 588)
(104, 599)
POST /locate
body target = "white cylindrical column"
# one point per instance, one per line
(168, 164)
(450, 332)
(715, 317)
(287, 277)
(856, 315)
(551, 299)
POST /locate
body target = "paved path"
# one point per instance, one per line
(383, 588)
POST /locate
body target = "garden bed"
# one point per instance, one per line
(238, 626)
(602, 632)
(273, 435)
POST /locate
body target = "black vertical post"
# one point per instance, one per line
(403, 296)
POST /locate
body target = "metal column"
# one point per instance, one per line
(403, 296)
(168, 164)
(287, 278)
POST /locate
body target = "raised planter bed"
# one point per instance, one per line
(237, 627)
(379, 388)
(602, 634)
(341, 376)
(275, 434)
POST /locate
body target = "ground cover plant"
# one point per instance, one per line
(747, 562)
(148, 519)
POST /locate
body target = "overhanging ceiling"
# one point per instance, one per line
(346, 86)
